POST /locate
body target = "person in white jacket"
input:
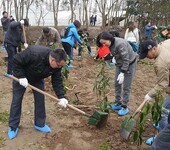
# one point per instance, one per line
(132, 36)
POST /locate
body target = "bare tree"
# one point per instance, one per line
(55, 11)
(6, 5)
(28, 3)
(40, 12)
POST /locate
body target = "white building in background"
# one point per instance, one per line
(63, 16)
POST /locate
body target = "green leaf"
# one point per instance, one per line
(141, 131)
(135, 136)
(141, 118)
(146, 109)
(140, 140)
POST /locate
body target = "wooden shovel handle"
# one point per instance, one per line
(51, 96)
(23, 28)
(139, 108)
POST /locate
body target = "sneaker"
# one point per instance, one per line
(149, 141)
(70, 66)
(45, 129)
(12, 133)
(123, 111)
(116, 106)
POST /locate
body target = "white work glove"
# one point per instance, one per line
(120, 78)
(155, 27)
(113, 61)
(23, 82)
(63, 102)
(25, 45)
(147, 97)
(22, 22)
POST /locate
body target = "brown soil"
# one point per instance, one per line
(70, 130)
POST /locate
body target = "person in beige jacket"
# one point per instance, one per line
(161, 54)
(49, 36)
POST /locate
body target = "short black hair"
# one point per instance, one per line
(4, 12)
(46, 30)
(130, 23)
(58, 55)
(26, 22)
(106, 36)
(114, 33)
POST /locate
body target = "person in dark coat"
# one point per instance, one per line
(13, 38)
(32, 66)
(162, 141)
(5, 21)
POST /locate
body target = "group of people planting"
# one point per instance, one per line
(39, 61)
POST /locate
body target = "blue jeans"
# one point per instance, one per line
(80, 49)
(11, 51)
(165, 111)
(134, 45)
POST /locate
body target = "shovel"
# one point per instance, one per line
(98, 119)
(23, 28)
(129, 122)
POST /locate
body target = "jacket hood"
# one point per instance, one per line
(71, 25)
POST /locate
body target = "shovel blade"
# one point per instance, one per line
(98, 118)
(127, 127)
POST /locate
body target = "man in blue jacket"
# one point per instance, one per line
(72, 36)
(148, 31)
(32, 66)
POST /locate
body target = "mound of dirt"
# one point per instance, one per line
(70, 130)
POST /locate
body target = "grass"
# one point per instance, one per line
(2, 139)
(4, 117)
(104, 146)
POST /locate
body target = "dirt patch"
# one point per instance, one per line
(70, 130)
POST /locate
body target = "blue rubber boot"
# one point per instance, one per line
(91, 54)
(149, 141)
(70, 66)
(12, 133)
(116, 106)
(123, 111)
(45, 129)
(7, 75)
(111, 64)
(157, 127)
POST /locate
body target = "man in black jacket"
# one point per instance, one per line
(13, 38)
(5, 21)
(33, 65)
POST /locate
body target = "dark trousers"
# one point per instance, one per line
(16, 105)
(68, 48)
(80, 49)
(11, 51)
(165, 112)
